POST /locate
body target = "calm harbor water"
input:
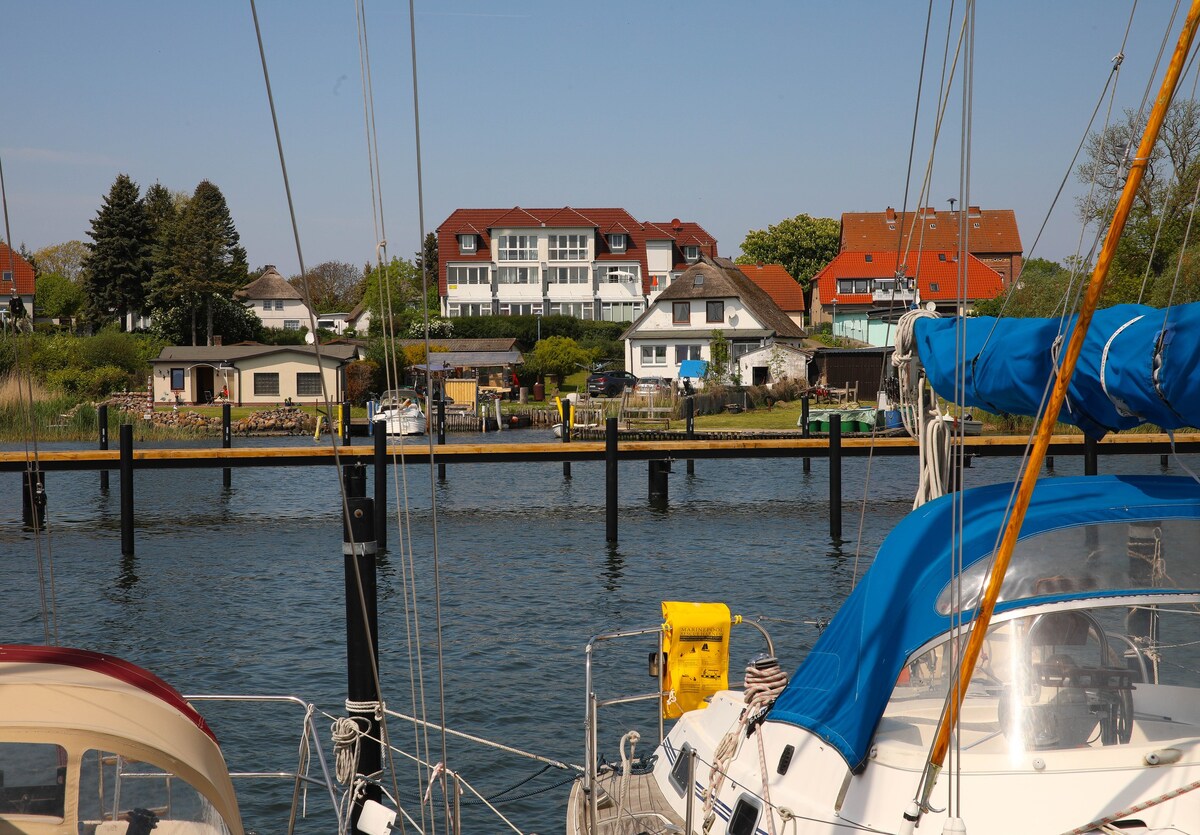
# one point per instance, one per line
(240, 591)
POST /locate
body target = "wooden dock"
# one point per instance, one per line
(420, 452)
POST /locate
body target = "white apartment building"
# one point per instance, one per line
(588, 263)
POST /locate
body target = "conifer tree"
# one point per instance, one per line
(207, 259)
(118, 265)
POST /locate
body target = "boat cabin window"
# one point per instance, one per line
(1131, 556)
(32, 779)
(120, 796)
(1061, 678)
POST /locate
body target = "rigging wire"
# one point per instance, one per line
(47, 597)
(437, 586)
(316, 345)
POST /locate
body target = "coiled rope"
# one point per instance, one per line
(763, 683)
(924, 422)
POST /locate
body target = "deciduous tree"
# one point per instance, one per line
(802, 244)
(66, 259)
(558, 355)
(334, 286)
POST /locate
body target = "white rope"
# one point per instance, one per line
(763, 683)
(1137, 807)
(922, 422)
(909, 369)
(632, 737)
(346, 733)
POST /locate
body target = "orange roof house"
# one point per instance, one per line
(16, 276)
(779, 284)
(862, 294)
(991, 234)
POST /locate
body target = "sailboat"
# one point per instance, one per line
(1018, 658)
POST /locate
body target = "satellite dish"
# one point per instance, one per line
(930, 306)
(309, 339)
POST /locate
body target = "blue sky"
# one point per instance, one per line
(733, 115)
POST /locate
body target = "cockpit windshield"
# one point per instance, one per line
(1111, 556)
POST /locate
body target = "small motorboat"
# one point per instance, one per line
(400, 412)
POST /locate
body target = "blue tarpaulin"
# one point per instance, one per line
(692, 368)
(1137, 366)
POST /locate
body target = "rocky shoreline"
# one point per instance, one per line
(279, 421)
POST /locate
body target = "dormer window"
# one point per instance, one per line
(466, 244)
(691, 254)
(616, 241)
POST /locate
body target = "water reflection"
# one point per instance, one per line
(614, 567)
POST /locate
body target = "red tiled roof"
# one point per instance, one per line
(990, 231)
(22, 270)
(932, 270)
(605, 220)
(778, 284)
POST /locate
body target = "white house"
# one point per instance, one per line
(711, 295)
(588, 263)
(276, 302)
(773, 363)
(251, 374)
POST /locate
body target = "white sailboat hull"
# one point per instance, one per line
(402, 422)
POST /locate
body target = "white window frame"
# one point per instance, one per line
(516, 275)
(568, 248)
(580, 310)
(691, 254)
(606, 311)
(517, 248)
(467, 245)
(654, 355)
(469, 309)
(618, 242)
(686, 352)
(473, 275)
(628, 274)
(574, 275)
(520, 309)
(291, 324)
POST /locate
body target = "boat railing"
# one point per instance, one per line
(309, 745)
(595, 703)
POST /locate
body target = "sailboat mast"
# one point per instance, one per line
(1058, 396)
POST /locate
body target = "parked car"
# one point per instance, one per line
(653, 386)
(610, 383)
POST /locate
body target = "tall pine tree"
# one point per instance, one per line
(207, 259)
(118, 265)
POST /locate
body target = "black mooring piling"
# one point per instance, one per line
(610, 479)
(835, 476)
(226, 441)
(126, 490)
(102, 418)
(362, 622)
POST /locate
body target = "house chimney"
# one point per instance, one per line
(891, 213)
(217, 340)
(973, 211)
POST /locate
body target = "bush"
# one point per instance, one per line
(361, 380)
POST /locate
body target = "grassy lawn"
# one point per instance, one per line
(781, 416)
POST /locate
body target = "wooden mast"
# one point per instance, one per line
(1058, 395)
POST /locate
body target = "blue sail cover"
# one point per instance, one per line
(1132, 369)
(841, 689)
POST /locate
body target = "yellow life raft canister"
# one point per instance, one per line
(695, 644)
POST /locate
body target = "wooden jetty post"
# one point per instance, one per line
(804, 431)
(362, 621)
(441, 434)
(126, 489)
(568, 417)
(610, 479)
(102, 418)
(689, 412)
(835, 476)
(226, 441)
(33, 499)
(381, 502)
(1090, 455)
(658, 470)
(346, 422)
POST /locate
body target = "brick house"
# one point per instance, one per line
(588, 263)
(992, 235)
